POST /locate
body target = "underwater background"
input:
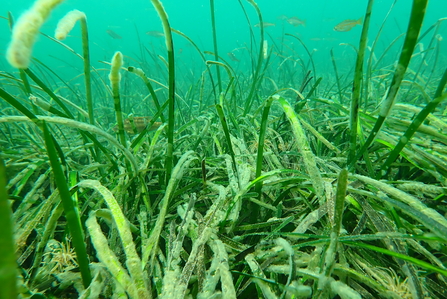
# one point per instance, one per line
(301, 156)
(192, 17)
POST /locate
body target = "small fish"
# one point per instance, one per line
(328, 39)
(265, 24)
(295, 21)
(282, 17)
(113, 34)
(232, 56)
(347, 25)
(155, 33)
(137, 124)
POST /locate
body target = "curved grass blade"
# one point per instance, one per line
(16, 104)
(84, 127)
(49, 92)
(404, 257)
(108, 257)
(122, 225)
(227, 69)
(308, 53)
(201, 56)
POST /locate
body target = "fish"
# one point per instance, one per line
(295, 21)
(328, 39)
(232, 56)
(155, 33)
(113, 34)
(137, 124)
(347, 25)
(282, 17)
(265, 24)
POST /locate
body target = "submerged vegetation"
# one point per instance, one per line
(278, 182)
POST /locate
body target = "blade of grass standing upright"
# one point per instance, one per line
(70, 210)
(216, 54)
(49, 92)
(330, 254)
(8, 265)
(171, 93)
(64, 27)
(254, 85)
(260, 156)
(414, 27)
(337, 78)
(16, 104)
(223, 121)
(372, 57)
(357, 86)
(115, 78)
(87, 71)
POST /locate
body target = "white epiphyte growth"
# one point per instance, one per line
(25, 32)
(67, 23)
(117, 63)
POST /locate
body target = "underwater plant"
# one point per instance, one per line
(153, 177)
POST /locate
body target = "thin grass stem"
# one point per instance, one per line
(257, 74)
(87, 70)
(216, 53)
(260, 154)
(169, 161)
(357, 85)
